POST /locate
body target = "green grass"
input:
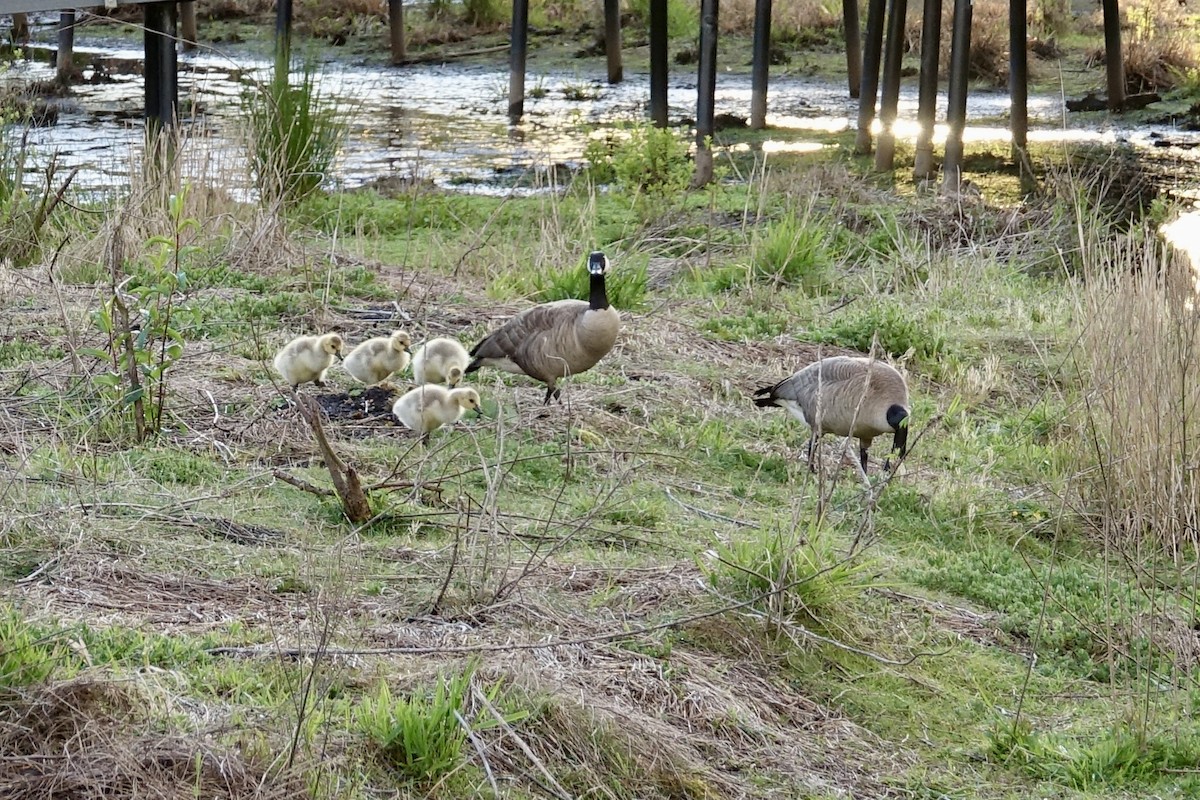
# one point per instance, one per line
(980, 643)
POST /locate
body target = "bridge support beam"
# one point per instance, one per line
(64, 66)
(761, 64)
(931, 44)
(1114, 60)
(612, 40)
(516, 62)
(885, 152)
(658, 62)
(956, 111)
(870, 76)
(396, 31)
(854, 60)
(706, 93)
(162, 67)
(187, 25)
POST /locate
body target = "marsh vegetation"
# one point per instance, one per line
(642, 592)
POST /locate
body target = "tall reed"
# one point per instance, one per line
(1139, 372)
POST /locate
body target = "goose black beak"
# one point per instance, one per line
(900, 441)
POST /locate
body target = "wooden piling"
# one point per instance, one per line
(956, 112)
(658, 62)
(162, 69)
(612, 40)
(761, 64)
(64, 67)
(396, 36)
(1018, 90)
(283, 34)
(187, 25)
(931, 43)
(885, 151)
(516, 64)
(1114, 60)
(706, 92)
(870, 76)
(20, 27)
(853, 45)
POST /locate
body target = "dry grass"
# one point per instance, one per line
(989, 39)
(1140, 407)
(88, 738)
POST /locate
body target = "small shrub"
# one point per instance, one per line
(25, 213)
(897, 331)
(294, 134)
(485, 13)
(797, 573)
(26, 655)
(421, 735)
(650, 161)
(793, 251)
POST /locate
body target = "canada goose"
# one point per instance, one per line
(554, 340)
(429, 407)
(375, 359)
(306, 358)
(440, 360)
(846, 396)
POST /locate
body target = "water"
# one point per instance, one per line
(448, 124)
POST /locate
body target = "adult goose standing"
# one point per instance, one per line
(845, 396)
(557, 339)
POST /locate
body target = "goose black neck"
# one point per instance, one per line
(598, 298)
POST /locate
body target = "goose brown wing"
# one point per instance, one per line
(526, 338)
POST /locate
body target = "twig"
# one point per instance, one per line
(708, 514)
(503, 723)
(344, 476)
(478, 745)
(302, 484)
(609, 636)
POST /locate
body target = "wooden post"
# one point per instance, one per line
(20, 27)
(658, 62)
(1113, 58)
(853, 45)
(885, 152)
(516, 64)
(187, 25)
(761, 64)
(931, 43)
(64, 60)
(1018, 90)
(870, 76)
(162, 69)
(706, 92)
(612, 39)
(396, 31)
(283, 34)
(956, 112)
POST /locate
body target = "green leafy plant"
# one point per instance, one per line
(26, 656)
(683, 19)
(25, 212)
(794, 251)
(796, 574)
(142, 320)
(422, 735)
(898, 331)
(649, 161)
(294, 131)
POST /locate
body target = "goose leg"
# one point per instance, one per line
(862, 458)
(552, 392)
(812, 442)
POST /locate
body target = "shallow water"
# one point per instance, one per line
(449, 123)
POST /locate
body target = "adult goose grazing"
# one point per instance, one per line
(554, 340)
(845, 396)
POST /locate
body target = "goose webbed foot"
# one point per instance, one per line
(552, 392)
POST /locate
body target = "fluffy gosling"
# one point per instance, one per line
(845, 396)
(429, 407)
(375, 360)
(307, 358)
(440, 360)
(554, 340)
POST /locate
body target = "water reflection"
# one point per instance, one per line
(449, 123)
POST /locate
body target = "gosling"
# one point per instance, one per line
(845, 396)
(429, 407)
(440, 360)
(375, 360)
(554, 340)
(307, 358)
